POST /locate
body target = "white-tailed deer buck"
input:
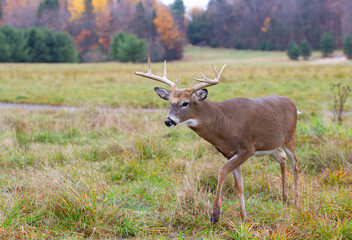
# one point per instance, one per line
(239, 128)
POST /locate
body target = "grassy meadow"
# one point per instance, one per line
(104, 174)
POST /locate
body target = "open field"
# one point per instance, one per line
(248, 74)
(101, 174)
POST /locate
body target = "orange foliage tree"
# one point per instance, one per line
(165, 26)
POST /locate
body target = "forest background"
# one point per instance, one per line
(92, 24)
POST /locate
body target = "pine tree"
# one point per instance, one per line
(327, 44)
(306, 50)
(293, 51)
(114, 44)
(347, 47)
(140, 22)
(64, 49)
(48, 4)
(178, 10)
(39, 43)
(129, 47)
(17, 42)
(5, 51)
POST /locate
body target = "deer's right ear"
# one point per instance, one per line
(163, 93)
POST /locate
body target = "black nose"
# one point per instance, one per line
(169, 122)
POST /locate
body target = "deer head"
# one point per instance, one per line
(184, 102)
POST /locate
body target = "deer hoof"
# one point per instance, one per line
(215, 216)
(214, 220)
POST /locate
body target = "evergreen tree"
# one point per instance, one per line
(64, 49)
(327, 44)
(39, 43)
(306, 50)
(178, 10)
(197, 30)
(347, 47)
(17, 42)
(140, 22)
(128, 47)
(293, 51)
(114, 44)
(48, 4)
(5, 50)
(0, 10)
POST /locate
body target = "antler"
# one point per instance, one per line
(157, 78)
(206, 81)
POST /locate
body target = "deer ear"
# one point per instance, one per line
(163, 93)
(200, 95)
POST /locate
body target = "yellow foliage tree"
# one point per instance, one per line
(165, 26)
(76, 9)
(99, 5)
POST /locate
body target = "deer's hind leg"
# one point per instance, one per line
(289, 148)
(280, 156)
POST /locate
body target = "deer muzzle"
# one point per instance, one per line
(169, 123)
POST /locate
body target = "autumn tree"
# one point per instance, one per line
(168, 32)
(103, 19)
(20, 13)
(76, 9)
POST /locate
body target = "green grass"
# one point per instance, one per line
(108, 175)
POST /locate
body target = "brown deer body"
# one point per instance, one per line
(239, 128)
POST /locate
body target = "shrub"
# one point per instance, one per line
(126, 47)
(347, 47)
(17, 43)
(306, 50)
(64, 49)
(39, 43)
(327, 44)
(36, 45)
(5, 50)
(293, 51)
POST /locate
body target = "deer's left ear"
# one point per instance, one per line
(200, 95)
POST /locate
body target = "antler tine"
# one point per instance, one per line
(208, 82)
(150, 75)
(149, 68)
(165, 69)
(216, 72)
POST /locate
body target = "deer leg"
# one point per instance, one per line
(231, 165)
(279, 156)
(237, 174)
(291, 154)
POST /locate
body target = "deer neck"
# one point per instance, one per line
(210, 120)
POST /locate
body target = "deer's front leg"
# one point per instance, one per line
(237, 174)
(231, 165)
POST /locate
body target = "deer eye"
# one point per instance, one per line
(185, 104)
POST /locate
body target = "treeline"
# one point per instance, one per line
(36, 45)
(269, 25)
(93, 23)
